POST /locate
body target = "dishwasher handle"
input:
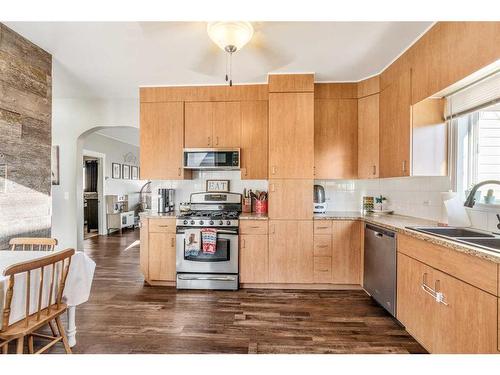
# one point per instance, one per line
(379, 232)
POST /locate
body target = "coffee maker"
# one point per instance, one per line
(166, 200)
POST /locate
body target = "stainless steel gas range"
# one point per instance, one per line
(216, 267)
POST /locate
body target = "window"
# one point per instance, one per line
(474, 114)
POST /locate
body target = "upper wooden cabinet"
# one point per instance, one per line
(291, 82)
(291, 135)
(291, 199)
(368, 136)
(254, 140)
(395, 127)
(368, 87)
(212, 124)
(291, 251)
(162, 139)
(335, 138)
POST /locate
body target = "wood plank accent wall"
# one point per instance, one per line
(25, 134)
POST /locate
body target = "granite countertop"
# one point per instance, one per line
(398, 223)
(149, 214)
(252, 216)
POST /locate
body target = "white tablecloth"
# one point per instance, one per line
(76, 291)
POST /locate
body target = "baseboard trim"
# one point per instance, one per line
(159, 283)
(302, 286)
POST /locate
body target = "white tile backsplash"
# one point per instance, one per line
(412, 196)
(184, 188)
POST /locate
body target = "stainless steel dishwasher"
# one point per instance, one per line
(379, 278)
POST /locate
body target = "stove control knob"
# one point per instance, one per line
(228, 222)
(185, 222)
(192, 222)
(221, 222)
(211, 222)
(201, 222)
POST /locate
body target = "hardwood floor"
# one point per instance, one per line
(126, 316)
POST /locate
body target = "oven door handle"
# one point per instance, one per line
(211, 278)
(219, 231)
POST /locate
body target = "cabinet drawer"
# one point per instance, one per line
(471, 269)
(162, 225)
(322, 269)
(322, 245)
(253, 227)
(323, 227)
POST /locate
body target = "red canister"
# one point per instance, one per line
(260, 207)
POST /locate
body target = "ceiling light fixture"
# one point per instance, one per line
(230, 37)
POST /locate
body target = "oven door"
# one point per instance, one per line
(224, 260)
(218, 159)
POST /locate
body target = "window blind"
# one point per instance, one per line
(478, 95)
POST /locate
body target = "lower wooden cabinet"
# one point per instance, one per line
(346, 252)
(162, 256)
(464, 320)
(291, 251)
(254, 258)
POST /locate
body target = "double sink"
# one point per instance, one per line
(483, 240)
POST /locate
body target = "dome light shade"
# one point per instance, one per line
(230, 36)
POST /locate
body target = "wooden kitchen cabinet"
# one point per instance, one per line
(335, 138)
(254, 258)
(162, 139)
(466, 320)
(254, 140)
(395, 127)
(368, 137)
(291, 251)
(162, 256)
(212, 124)
(346, 252)
(291, 199)
(291, 135)
(198, 127)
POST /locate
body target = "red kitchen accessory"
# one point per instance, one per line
(261, 207)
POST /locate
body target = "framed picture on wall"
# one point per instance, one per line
(116, 170)
(135, 173)
(126, 172)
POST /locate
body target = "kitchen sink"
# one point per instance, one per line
(487, 243)
(466, 236)
(452, 232)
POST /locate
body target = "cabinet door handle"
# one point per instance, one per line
(404, 166)
(273, 229)
(273, 169)
(272, 188)
(243, 244)
(322, 227)
(255, 227)
(374, 170)
(172, 242)
(217, 140)
(322, 246)
(208, 141)
(163, 226)
(440, 298)
(179, 171)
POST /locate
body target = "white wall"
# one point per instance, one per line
(114, 151)
(70, 119)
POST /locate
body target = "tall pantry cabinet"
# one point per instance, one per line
(291, 177)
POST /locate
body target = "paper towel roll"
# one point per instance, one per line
(457, 215)
(445, 196)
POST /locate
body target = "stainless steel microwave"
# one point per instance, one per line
(212, 158)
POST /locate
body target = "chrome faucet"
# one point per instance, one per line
(469, 202)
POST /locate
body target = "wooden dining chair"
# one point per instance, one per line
(33, 244)
(53, 268)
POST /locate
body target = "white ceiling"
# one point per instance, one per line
(123, 134)
(112, 59)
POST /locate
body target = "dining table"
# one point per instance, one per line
(76, 291)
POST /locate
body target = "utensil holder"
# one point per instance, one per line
(260, 207)
(247, 205)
